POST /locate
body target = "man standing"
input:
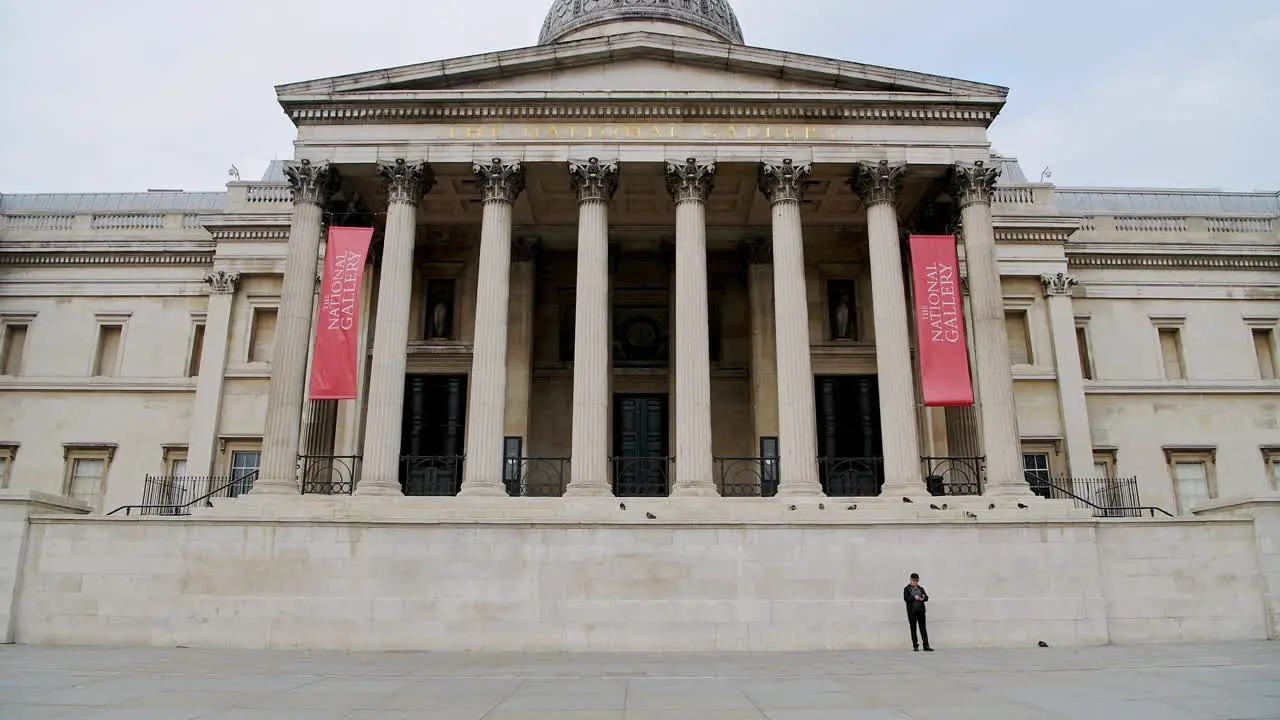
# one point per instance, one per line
(915, 597)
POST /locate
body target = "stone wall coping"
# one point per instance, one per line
(1238, 503)
(42, 503)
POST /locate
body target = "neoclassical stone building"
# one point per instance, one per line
(642, 259)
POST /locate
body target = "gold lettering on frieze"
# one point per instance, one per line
(671, 131)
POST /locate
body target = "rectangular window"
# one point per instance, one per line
(262, 335)
(1086, 358)
(244, 470)
(1104, 464)
(87, 465)
(1171, 353)
(512, 451)
(106, 358)
(1264, 346)
(13, 349)
(7, 452)
(197, 350)
(769, 465)
(1190, 483)
(175, 462)
(1035, 465)
(1272, 458)
(1016, 326)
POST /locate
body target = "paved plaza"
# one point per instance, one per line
(1177, 682)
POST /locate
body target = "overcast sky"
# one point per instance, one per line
(100, 95)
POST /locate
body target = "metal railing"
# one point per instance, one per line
(535, 477)
(328, 474)
(851, 477)
(177, 494)
(431, 475)
(747, 477)
(951, 476)
(1106, 497)
(641, 476)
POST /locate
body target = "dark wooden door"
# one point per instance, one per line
(849, 440)
(640, 446)
(432, 442)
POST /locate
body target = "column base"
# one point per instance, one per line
(472, 489)
(274, 487)
(802, 491)
(588, 491)
(695, 490)
(367, 489)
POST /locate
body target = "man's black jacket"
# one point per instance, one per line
(915, 597)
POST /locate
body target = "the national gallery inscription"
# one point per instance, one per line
(621, 132)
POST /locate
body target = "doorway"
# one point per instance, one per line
(849, 440)
(431, 441)
(640, 450)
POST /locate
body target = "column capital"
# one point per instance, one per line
(311, 183)
(406, 182)
(877, 184)
(525, 249)
(785, 181)
(974, 183)
(500, 181)
(594, 180)
(1059, 284)
(222, 282)
(690, 180)
(758, 251)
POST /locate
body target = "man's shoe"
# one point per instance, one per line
(928, 649)
(916, 649)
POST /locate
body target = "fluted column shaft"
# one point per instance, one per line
(595, 183)
(380, 474)
(1066, 355)
(878, 186)
(312, 185)
(974, 186)
(689, 184)
(784, 185)
(482, 473)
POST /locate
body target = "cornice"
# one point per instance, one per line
(1182, 387)
(81, 384)
(272, 233)
(89, 258)
(1042, 235)
(1189, 262)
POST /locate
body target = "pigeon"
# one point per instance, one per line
(791, 507)
(907, 500)
(992, 506)
(853, 507)
(651, 516)
(971, 516)
(1021, 506)
(945, 506)
(934, 507)
(622, 506)
(1044, 644)
(822, 506)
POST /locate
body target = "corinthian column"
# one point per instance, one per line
(689, 183)
(312, 186)
(213, 367)
(595, 182)
(974, 186)
(501, 183)
(878, 186)
(784, 185)
(405, 184)
(1066, 356)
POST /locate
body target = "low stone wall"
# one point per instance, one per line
(419, 585)
(15, 507)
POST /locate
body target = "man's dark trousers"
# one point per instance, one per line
(917, 618)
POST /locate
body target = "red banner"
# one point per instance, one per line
(944, 353)
(333, 366)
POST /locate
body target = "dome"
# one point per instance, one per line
(708, 19)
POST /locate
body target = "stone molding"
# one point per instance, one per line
(974, 183)
(758, 251)
(1021, 235)
(785, 181)
(500, 181)
(202, 258)
(405, 182)
(877, 184)
(1205, 262)
(222, 282)
(280, 233)
(690, 180)
(594, 180)
(313, 184)
(1059, 284)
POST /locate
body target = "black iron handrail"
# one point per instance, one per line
(535, 477)
(431, 475)
(641, 476)
(156, 487)
(1129, 507)
(954, 476)
(747, 476)
(328, 474)
(851, 477)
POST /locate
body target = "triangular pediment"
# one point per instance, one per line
(638, 63)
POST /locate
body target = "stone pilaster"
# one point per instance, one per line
(878, 186)
(764, 348)
(520, 338)
(689, 183)
(784, 184)
(500, 182)
(595, 182)
(974, 186)
(203, 439)
(405, 183)
(1066, 356)
(312, 187)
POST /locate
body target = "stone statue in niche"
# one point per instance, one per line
(440, 295)
(841, 301)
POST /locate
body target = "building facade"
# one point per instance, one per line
(641, 258)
